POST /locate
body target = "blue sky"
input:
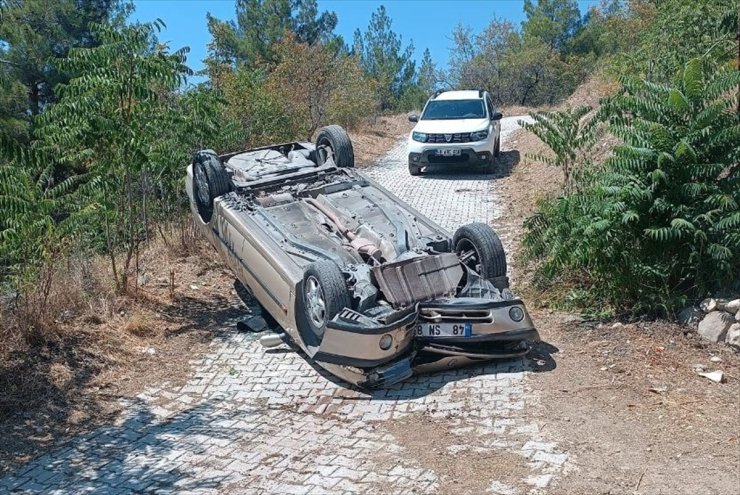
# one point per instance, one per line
(428, 23)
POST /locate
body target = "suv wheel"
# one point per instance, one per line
(414, 169)
(497, 148)
(490, 167)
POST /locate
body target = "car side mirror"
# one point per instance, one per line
(413, 118)
(497, 116)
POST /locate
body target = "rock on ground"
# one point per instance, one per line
(733, 336)
(715, 325)
(733, 306)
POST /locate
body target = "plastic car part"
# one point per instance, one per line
(422, 278)
(480, 249)
(333, 142)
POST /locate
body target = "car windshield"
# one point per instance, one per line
(454, 109)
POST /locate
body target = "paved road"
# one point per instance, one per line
(256, 421)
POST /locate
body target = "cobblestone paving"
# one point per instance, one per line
(266, 421)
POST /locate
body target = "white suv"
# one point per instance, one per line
(455, 127)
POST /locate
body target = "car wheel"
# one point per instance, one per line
(334, 141)
(323, 295)
(414, 169)
(210, 180)
(480, 249)
(497, 148)
(490, 166)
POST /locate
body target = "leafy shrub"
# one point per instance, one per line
(569, 134)
(661, 222)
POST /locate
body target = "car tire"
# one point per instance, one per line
(210, 180)
(323, 295)
(414, 170)
(336, 139)
(497, 148)
(490, 166)
(488, 256)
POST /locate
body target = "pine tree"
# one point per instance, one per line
(383, 58)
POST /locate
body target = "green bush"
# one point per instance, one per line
(661, 222)
(570, 135)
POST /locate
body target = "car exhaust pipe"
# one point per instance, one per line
(271, 340)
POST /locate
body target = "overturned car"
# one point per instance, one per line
(369, 288)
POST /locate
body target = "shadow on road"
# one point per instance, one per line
(140, 453)
(538, 360)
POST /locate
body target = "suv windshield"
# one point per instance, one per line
(454, 109)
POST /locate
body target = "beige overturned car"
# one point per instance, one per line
(372, 290)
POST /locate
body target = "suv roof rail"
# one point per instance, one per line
(438, 92)
(480, 93)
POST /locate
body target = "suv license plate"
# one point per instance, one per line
(448, 152)
(444, 329)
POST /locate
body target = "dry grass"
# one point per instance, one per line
(66, 357)
(375, 137)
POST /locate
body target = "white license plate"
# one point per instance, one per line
(448, 152)
(444, 329)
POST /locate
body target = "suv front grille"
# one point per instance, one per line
(454, 138)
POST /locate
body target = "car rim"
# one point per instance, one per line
(469, 255)
(325, 150)
(315, 302)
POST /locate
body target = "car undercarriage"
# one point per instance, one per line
(368, 287)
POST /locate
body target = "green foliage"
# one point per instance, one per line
(261, 25)
(661, 222)
(109, 122)
(37, 32)
(529, 68)
(316, 86)
(41, 215)
(682, 30)
(570, 134)
(381, 54)
(554, 22)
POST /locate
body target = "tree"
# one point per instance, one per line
(312, 84)
(554, 22)
(260, 25)
(381, 54)
(13, 102)
(479, 61)
(428, 74)
(570, 135)
(107, 123)
(38, 32)
(682, 30)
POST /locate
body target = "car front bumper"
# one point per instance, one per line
(469, 156)
(355, 352)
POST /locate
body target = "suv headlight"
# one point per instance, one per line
(419, 136)
(479, 135)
